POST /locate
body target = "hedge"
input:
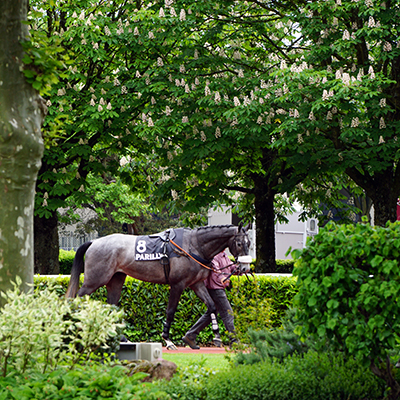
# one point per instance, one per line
(258, 302)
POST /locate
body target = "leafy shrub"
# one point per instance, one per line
(279, 291)
(262, 301)
(276, 343)
(92, 381)
(39, 331)
(252, 311)
(188, 383)
(66, 258)
(311, 376)
(349, 284)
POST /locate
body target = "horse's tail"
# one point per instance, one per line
(76, 270)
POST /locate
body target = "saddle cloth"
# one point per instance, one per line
(154, 247)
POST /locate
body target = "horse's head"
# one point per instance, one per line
(239, 248)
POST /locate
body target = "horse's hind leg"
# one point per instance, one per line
(114, 288)
(174, 296)
(210, 316)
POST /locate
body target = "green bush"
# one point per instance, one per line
(312, 376)
(39, 331)
(188, 383)
(92, 381)
(349, 286)
(49, 349)
(259, 302)
(276, 343)
(66, 258)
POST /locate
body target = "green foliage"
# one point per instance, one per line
(275, 343)
(349, 283)
(144, 305)
(250, 310)
(39, 331)
(279, 290)
(91, 381)
(349, 278)
(312, 376)
(188, 383)
(66, 258)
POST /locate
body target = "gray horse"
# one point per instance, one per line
(183, 259)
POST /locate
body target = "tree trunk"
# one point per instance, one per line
(46, 245)
(265, 226)
(21, 149)
(383, 189)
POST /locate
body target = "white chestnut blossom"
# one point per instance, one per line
(355, 122)
(387, 46)
(371, 72)
(346, 35)
(371, 22)
(182, 15)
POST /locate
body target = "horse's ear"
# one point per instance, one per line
(247, 227)
(240, 226)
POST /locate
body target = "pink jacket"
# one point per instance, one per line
(220, 261)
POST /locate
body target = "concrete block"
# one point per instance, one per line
(150, 351)
(128, 351)
(140, 351)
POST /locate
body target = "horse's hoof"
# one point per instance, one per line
(217, 342)
(191, 343)
(170, 345)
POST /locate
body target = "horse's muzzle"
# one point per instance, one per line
(244, 264)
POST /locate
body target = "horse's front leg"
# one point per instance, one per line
(174, 296)
(210, 316)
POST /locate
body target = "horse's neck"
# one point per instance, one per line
(212, 241)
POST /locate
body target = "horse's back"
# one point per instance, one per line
(111, 246)
(116, 253)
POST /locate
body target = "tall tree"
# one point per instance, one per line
(91, 110)
(340, 108)
(21, 148)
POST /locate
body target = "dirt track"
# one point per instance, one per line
(202, 350)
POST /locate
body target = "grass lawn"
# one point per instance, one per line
(214, 361)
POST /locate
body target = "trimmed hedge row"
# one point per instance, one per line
(258, 302)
